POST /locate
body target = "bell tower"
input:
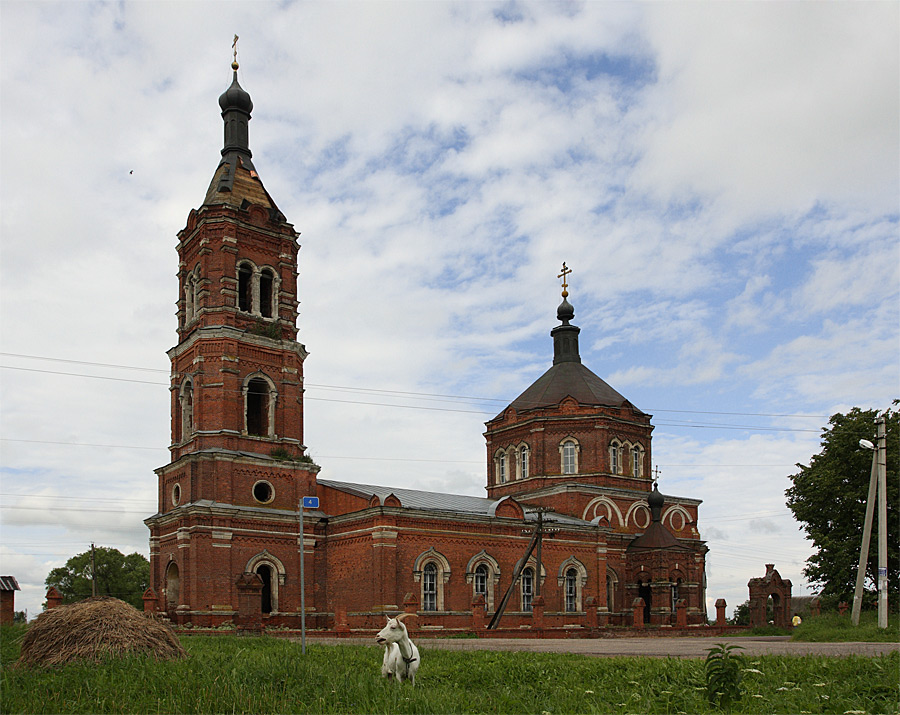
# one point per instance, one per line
(228, 498)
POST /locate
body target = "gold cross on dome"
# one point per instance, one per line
(565, 272)
(234, 47)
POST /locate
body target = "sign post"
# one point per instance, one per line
(306, 503)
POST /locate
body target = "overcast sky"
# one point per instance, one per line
(722, 179)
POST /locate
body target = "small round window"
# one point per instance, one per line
(263, 492)
(176, 495)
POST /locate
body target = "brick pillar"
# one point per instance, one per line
(478, 612)
(537, 613)
(590, 607)
(249, 616)
(54, 598)
(720, 612)
(340, 620)
(681, 613)
(151, 601)
(637, 607)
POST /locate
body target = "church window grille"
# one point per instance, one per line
(636, 461)
(527, 589)
(245, 287)
(571, 591)
(569, 457)
(429, 587)
(524, 461)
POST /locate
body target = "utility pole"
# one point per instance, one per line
(93, 572)
(867, 534)
(877, 490)
(882, 524)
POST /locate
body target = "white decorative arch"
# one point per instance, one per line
(641, 507)
(264, 558)
(677, 516)
(592, 510)
(431, 554)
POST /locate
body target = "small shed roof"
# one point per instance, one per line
(9, 583)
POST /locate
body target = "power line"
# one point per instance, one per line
(406, 393)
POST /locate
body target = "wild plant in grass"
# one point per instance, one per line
(723, 675)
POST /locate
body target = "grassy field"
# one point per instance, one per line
(831, 627)
(269, 675)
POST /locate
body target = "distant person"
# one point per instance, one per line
(796, 620)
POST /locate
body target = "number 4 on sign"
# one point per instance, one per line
(310, 502)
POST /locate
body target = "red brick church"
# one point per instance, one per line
(570, 451)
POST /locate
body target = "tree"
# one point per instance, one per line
(741, 615)
(828, 498)
(120, 576)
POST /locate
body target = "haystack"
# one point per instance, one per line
(94, 629)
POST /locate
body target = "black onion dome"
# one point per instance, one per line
(565, 312)
(235, 97)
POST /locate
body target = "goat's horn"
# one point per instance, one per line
(401, 616)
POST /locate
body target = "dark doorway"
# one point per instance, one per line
(644, 591)
(265, 573)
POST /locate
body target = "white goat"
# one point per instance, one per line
(401, 657)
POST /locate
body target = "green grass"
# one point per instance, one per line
(268, 675)
(832, 628)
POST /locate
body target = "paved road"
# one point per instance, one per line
(653, 647)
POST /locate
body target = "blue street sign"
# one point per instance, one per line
(310, 502)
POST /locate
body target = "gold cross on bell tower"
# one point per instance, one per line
(564, 275)
(234, 64)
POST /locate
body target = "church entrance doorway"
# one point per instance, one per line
(265, 573)
(645, 592)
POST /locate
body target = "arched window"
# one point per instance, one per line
(266, 293)
(571, 591)
(429, 587)
(502, 468)
(483, 572)
(245, 287)
(569, 451)
(527, 589)
(186, 399)
(523, 461)
(615, 461)
(259, 399)
(636, 461)
(173, 586)
(432, 569)
(675, 593)
(611, 583)
(265, 573)
(481, 580)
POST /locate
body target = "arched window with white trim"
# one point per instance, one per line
(527, 589)
(568, 452)
(429, 587)
(524, 461)
(186, 403)
(431, 570)
(615, 457)
(483, 572)
(571, 585)
(636, 461)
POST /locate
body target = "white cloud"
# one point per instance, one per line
(721, 177)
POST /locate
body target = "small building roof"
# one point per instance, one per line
(9, 583)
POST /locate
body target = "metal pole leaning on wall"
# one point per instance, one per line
(302, 584)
